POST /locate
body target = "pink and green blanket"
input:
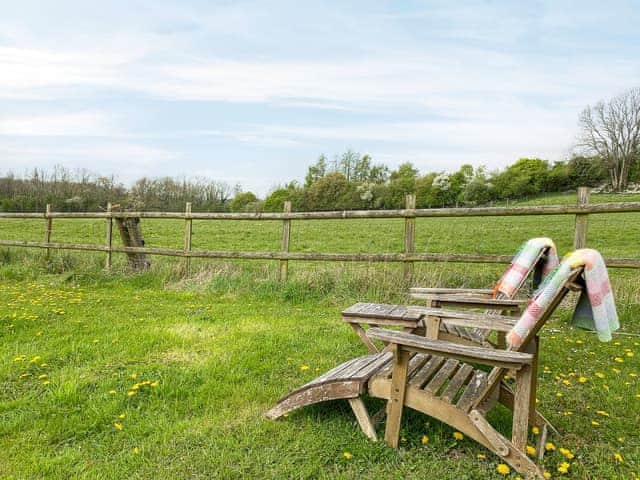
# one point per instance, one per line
(601, 316)
(524, 261)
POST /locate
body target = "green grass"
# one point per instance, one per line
(225, 344)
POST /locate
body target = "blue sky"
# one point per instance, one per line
(254, 92)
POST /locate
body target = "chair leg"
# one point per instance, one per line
(364, 420)
(396, 398)
(521, 405)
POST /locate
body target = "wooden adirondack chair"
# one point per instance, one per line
(439, 378)
(350, 380)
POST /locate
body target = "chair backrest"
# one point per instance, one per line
(543, 304)
(536, 267)
(556, 291)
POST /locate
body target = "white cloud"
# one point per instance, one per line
(94, 124)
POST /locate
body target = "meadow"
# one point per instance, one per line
(120, 375)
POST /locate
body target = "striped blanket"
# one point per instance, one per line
(523, 263)
(603, 317)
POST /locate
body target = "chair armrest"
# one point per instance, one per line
(486, 356)
(381, 314)
(461, 318)
(421, 293)
(504, 304)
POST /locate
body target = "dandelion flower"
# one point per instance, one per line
(122, 415)
(131, 393)
(424, 439)
(546, 475)
(136, 450)
(564, 467)
(458, 435)
(347, 455)
(582, 379)
(600, 375)
(118, 426)
(503, 469)
(535, 430)
(602, 412)
(549, 447)
(567, 453)
(304, 367)
(531, 450)
(619, 360)
(618, 457)
(42, 377)
(595, 423)
(481, 456)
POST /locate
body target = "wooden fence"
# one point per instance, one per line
(581, 210)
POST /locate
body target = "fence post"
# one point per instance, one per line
(409, 233)
(187, 236)
(580, 232)
(108, 237)
(284, 245)
(47, 228)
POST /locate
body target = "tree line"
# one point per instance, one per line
(350, 181)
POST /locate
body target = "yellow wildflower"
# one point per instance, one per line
(619, 359)
(531, 450)
(304, 367)
(136, 450)
(564, 467)
(481, 456)
(112, 392)
(567, 453)
(424, 439)
(618, 457)
(347, 455)
(602, 412)
(546, 475)
(549, 447)
(458, 435)
(600, 375)
(118, 426)
(131, 393)
(122, 415)
(582, 379)
(503, 469)
(595, 423)
(535, 430)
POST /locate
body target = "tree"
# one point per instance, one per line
(332, 192)
(244, 202)
(611, 130)
(316, 172)
(348, 163)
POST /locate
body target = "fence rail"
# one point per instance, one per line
(581, 210)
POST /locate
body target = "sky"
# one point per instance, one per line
(251, 93)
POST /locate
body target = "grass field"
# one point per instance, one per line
(210, 354)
